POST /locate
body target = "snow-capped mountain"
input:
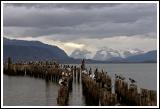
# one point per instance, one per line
(79, 54)
(106, 53)
(109, 53)
(131, 52)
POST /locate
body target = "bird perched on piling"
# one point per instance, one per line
(83, 65)
(121, 77)
(66, 74)
(90, 71)
(132, 80)
(84, 71)
(116, 76)
(60, 82)
(102, 71)
(62, 73)
(92, 76)
(106, 72)
(96, 70)
(69, 69)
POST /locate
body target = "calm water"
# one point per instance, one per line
(29, 91)
(144, 74)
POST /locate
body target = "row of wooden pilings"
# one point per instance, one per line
(98, 90)
(49, 72)
(63, 92)
(129, 94)
(65, 86)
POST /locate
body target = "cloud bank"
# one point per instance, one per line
(84, 25)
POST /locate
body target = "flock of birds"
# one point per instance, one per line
(91, 75)
(123, 78)
(62, 81)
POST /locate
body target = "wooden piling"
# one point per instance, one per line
(107, 98)
(63, 94)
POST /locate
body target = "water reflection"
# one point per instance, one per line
(76, 97)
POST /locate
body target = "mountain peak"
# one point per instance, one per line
(28, 50)
(80, 54)
(21, 42)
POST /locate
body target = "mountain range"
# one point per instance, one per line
(36, 50)
(112, 55)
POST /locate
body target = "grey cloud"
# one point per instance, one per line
(71, 21)
(63, 5)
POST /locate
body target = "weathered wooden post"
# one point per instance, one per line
(78, 74)
(83, 65)
(10, 70)
(107, 98)
(148, 97)
(90, 71)
(62, 96)
(9, 63)
(46, 76)
(90, 89)
(132, 92)
(153, 97)
(75, 73)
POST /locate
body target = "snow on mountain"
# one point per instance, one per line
(109, 53)
(79, 54)
(132, 52)
(105, 53)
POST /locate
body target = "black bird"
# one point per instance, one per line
(116, 76)
(132, 80)
(63, 83)
(90, 71)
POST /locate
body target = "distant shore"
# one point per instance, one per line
(119, 63)
(127, 63)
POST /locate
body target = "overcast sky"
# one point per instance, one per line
(83, 26)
